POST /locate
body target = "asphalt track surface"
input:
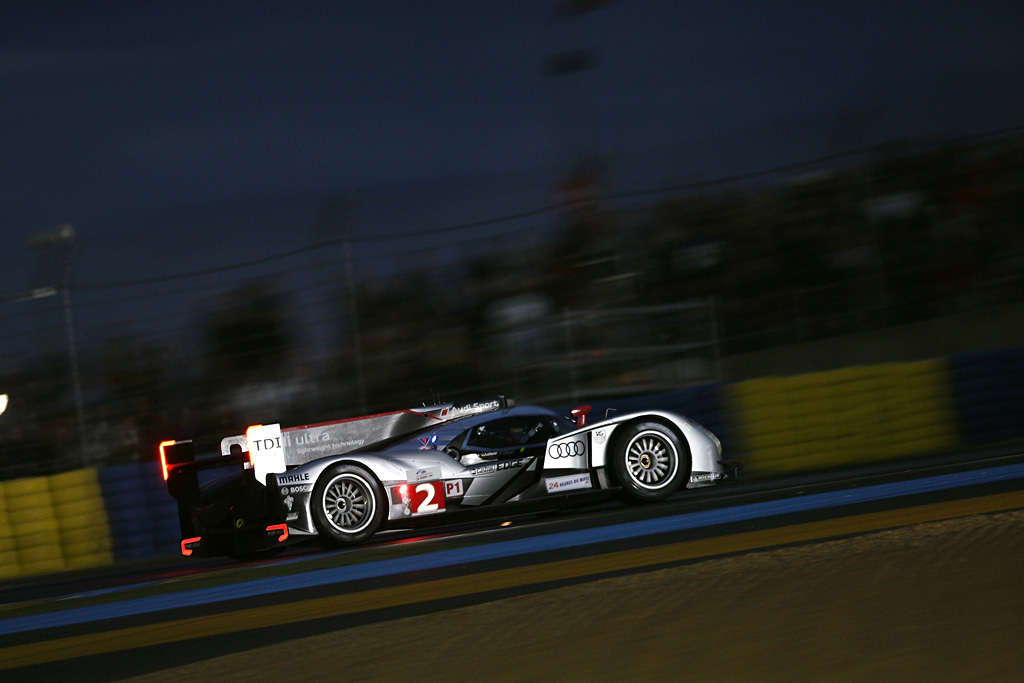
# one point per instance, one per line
(106, 626)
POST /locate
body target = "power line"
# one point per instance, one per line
(457, 227)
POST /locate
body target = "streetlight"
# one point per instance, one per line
(61, 237)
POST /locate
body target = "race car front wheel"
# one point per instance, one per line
(348, 504)
(649, 462)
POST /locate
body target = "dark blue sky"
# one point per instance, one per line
(159, 128)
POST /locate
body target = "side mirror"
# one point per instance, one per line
(580, 413)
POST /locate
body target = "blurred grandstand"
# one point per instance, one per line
(871, 256)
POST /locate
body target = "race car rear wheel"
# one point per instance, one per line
(649, 462)
(348, 504)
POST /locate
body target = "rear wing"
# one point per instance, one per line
(294, 446)
(308, 442)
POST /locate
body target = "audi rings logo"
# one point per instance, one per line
(566, 449)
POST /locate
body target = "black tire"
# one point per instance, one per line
(348, 504)
(649, 462)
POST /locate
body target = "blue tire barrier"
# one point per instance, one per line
(988, 393)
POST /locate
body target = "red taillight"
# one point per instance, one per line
(400, 494)
(186, 545)
(163, 455)
(282, 528)
(249, 440)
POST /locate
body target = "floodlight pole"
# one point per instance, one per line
(69, 326)
(331, 220)
(350, 282)
(76, 379)
(64, 233)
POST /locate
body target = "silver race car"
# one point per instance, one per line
(344, 481)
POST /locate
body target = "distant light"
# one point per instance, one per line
(507, 522)
(3, 403)
(42, 292)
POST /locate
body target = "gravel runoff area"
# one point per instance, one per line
(942, 601)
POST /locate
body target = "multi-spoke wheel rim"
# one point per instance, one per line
(651, 460)
(348, 503)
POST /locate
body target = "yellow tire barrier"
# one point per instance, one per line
(36, 497)
(29, 486)
(73, 494)
(49, 524)
(51, 551)
(75, 486)
(7, 544)
(74, 479)
(84, 531)
(87, 519)
(68, 514)
(844, 417)
(70, 537)
(9, 566)
(97, 546)
(86, 561)
(45, 532)
(26, 515)
(42, 567)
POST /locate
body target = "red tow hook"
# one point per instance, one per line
(580, 413)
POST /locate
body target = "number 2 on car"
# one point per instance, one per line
(426, 497)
